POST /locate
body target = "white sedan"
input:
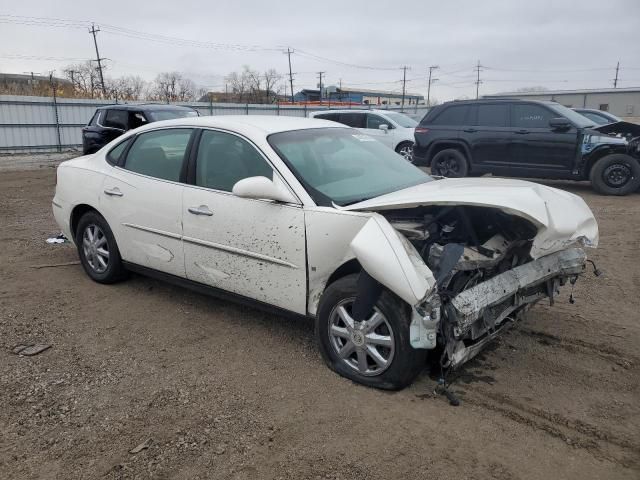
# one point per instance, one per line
(308, 217)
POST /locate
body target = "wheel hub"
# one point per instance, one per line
(357, 338)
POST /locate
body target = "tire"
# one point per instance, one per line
(404, 362)
(100, 267)
(406, 150)
(450, 163)
(615, 174)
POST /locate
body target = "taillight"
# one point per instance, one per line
(421, 130)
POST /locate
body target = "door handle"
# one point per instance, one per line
(470, 130)
(201, 210)
(522, 132)
(114, 192)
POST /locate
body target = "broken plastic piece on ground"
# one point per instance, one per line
(143, 446)
(58, 239)
(30, 350)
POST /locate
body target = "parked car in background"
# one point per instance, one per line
(522, 138)
(310, 218)
(598, 117)
(394, 129)
(109, 122)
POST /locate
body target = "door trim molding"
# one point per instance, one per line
(164, 233)
(239, 251)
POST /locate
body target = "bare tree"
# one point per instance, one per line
(271, 88)
(84, 78)
(172, 87)
(252, 86)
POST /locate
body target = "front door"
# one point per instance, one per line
(142, 200)
(254, 248)
(537, 149)
(373, 128)
(488, 136)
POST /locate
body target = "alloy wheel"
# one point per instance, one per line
(95, 248)
(366, 347)
(407, 153)
(448, 166)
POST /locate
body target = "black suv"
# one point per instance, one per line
(524, 138)
(112, 121)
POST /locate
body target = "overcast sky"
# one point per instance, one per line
(554, 44)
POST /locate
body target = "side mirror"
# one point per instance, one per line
(264, 189)
(384, 127)
(559, 123)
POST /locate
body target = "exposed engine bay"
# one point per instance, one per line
(485, 275)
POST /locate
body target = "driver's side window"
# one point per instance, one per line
(224, 159)
(374, 121)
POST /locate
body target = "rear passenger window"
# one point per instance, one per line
(329, 116)
(116, 119)
(454, 115)
(354, 120)
(113, 157)
(492, 115)
(225, 159)
(159, 154)
(94, 120)
(530, 116)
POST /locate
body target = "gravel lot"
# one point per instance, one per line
(223, 391)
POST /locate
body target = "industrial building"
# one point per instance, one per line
(622, 102)
(358, 96)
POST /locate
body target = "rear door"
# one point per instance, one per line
(114, 122)
(488, 135)
(142, 199)
(537, 149)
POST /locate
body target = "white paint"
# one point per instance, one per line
(284, 253)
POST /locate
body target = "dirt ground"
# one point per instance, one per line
(225, 391)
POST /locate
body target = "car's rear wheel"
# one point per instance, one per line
(449, 163)
(615, 174)
(97, 248)
(406, 150)
(375, 352)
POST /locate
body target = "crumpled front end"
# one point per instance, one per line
(469, 271)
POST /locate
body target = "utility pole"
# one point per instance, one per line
(615, 80)
(289, 52)
(93, 31)
(431, 80)
(478, 81)
(404, 84)
(320, 85)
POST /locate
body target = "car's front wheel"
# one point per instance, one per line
(449, 163)
(375, 352)
(406, 150)
(616, 174)
(97, 248)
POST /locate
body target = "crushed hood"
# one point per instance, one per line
(562, 218)
(622, 128)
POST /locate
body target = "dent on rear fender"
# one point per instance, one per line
(390, 258)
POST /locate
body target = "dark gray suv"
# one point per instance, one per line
(533, 139)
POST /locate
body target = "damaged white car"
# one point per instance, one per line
(311, 218)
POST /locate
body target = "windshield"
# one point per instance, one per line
(574, 117)
(402, 120)
(158, 115)
(343, 166)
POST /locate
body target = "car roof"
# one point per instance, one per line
(144, 106)
(494, 100)
(354, 110)
(247, 124)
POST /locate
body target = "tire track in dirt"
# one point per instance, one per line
(575, 345)
(575, 433)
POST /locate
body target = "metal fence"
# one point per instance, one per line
(47, 124)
